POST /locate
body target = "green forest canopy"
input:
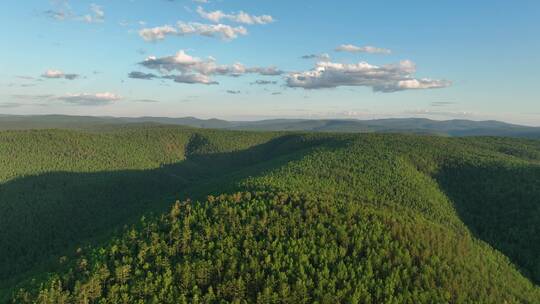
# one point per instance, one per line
(291, 217)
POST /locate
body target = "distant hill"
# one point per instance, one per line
(23, 122)
(395, 125)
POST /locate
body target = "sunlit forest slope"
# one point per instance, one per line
(161, 214)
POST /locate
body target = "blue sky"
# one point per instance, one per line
(237, 59)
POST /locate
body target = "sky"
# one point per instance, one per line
(258, 59)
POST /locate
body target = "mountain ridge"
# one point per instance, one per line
(454, 127)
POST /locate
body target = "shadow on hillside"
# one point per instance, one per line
(501, 206)
(48, 215)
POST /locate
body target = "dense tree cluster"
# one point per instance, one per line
(60, 189)
(491, 185)
(277, 248)
(501, 208)
(371, 218)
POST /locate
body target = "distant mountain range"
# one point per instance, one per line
(394, 125)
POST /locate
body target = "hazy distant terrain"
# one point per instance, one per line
(397, 125)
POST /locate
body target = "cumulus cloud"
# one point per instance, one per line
(85, 99)
(385, 78)
(186, 63)
(57, 74)
(225, 32)
(157, 33)
(141, 75)
(196, 70)
(322, 57)
(362, 49)
(240, 17)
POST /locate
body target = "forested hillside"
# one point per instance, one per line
(267, 217)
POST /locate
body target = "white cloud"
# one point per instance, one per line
(141, 75)
(196, 70)
(97, 15)
(181, 61)
(63, 11)
(53, 74)
(157, 33)
(385, 78)
(225, 32)
(211, 30)
(56, 14)
(123, 23)
(240, 17)
(265, 71)
(57, 74)
(362, 49)
(191, 79)
(86, 99)
(424, 83)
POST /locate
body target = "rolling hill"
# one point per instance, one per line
(397, 125)
(169, 214)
